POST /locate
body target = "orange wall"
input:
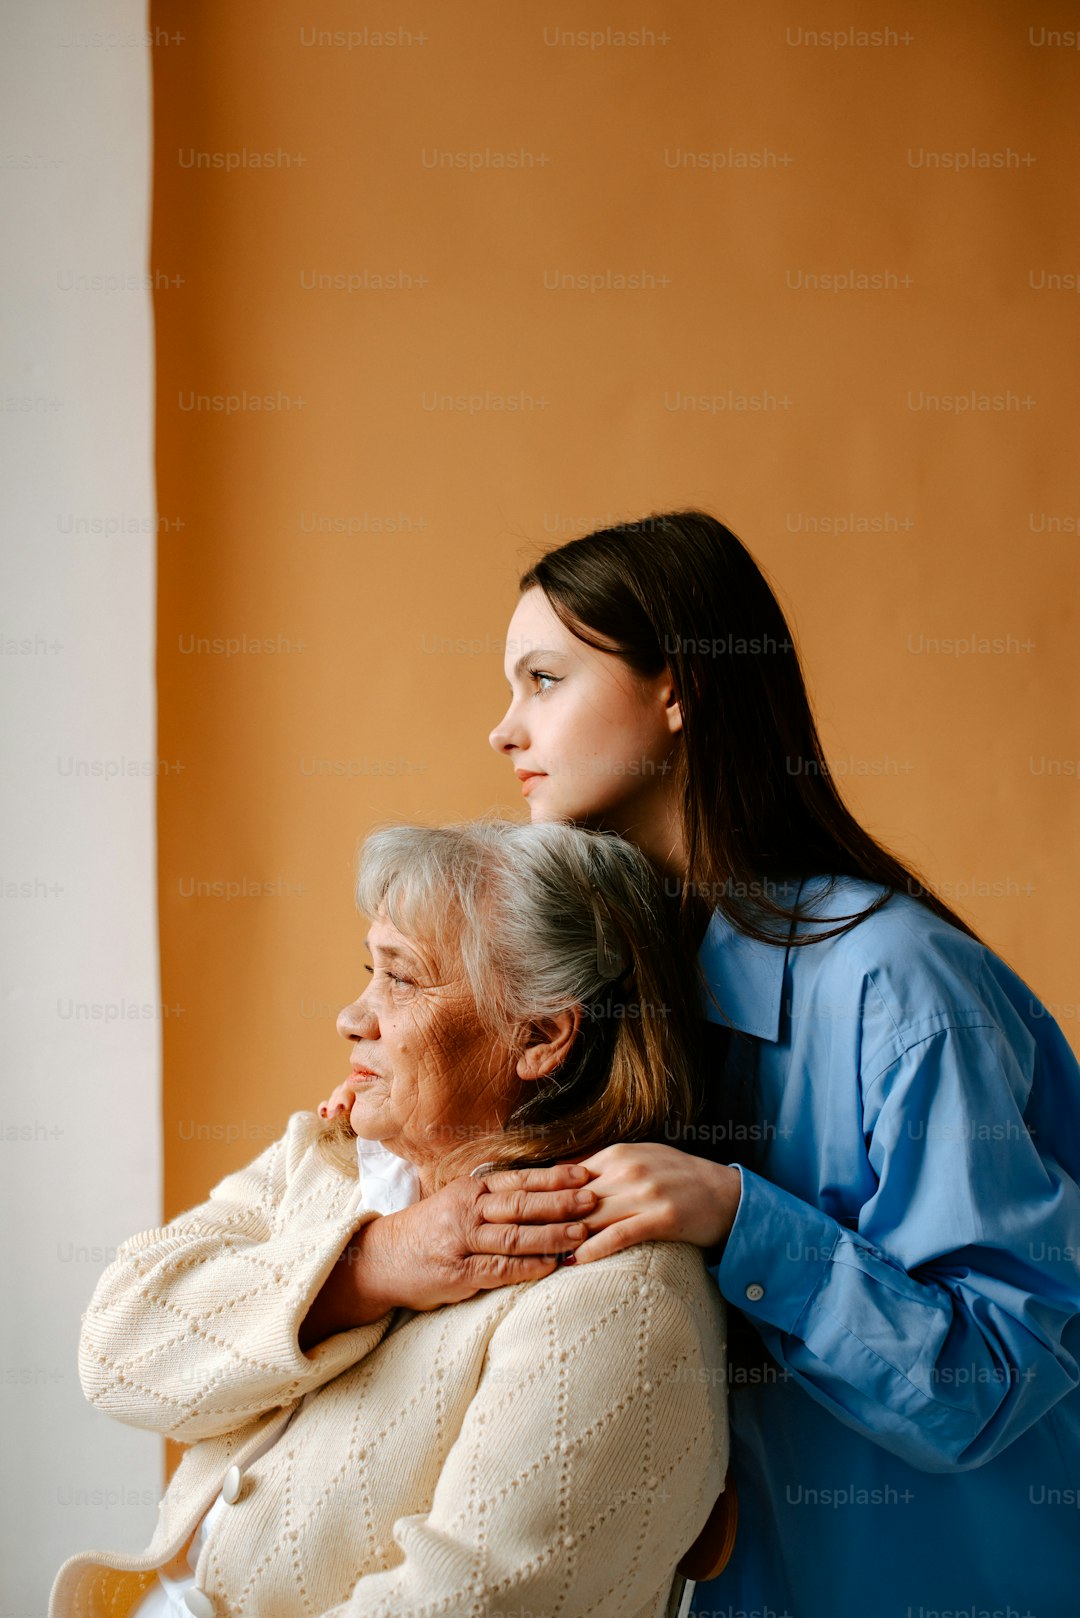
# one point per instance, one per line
(946, 757)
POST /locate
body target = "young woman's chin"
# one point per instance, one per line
(589, 814)
(551, 799)
(540, 812)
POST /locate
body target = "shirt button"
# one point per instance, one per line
(198, 1602)
(755, 1291)
(231, 1485)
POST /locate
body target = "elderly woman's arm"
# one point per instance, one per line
(193, 1330)
(590, 1456)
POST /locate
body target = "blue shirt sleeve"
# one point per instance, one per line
(948, 1321)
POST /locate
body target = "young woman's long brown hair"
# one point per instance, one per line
(760, 807)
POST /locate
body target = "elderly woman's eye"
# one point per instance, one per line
(391, 975)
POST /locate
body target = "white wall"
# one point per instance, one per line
(80, 1118)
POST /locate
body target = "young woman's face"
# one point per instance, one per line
(590, 740)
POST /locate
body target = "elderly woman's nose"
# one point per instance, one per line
(357, 1021)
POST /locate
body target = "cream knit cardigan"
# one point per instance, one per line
(549, 1448)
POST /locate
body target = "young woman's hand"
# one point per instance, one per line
(341, 1100)
(646, 1193)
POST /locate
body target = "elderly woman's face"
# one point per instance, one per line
(427, 1075)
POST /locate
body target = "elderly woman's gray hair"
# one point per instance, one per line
(545, 917)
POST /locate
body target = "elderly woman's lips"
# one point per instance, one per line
(363, 1073)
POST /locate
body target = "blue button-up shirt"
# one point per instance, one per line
(907, 1245)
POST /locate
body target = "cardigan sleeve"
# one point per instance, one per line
(192, 1331)
(588, 1461)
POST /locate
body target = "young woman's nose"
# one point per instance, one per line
(507, 733)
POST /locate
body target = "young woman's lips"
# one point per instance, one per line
(528, 779)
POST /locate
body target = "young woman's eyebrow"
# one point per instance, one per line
(530, 657)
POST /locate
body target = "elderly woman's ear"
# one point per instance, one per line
(547, 1043)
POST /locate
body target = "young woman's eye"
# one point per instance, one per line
(541, 675)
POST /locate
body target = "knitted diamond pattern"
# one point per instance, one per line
(548, 1448)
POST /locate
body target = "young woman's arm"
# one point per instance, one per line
(949, 1321)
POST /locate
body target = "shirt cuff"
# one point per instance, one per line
(777, 1254)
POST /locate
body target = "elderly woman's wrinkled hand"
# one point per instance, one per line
(443, 1249)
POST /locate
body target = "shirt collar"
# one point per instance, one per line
(745, 975)
(388, 1183)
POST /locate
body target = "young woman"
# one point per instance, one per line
(886, 1182)
(884, 1179)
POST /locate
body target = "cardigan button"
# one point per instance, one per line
(231, 1485)
(755, 1291)
(198, 1602)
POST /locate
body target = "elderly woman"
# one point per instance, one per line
(550, 1445)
